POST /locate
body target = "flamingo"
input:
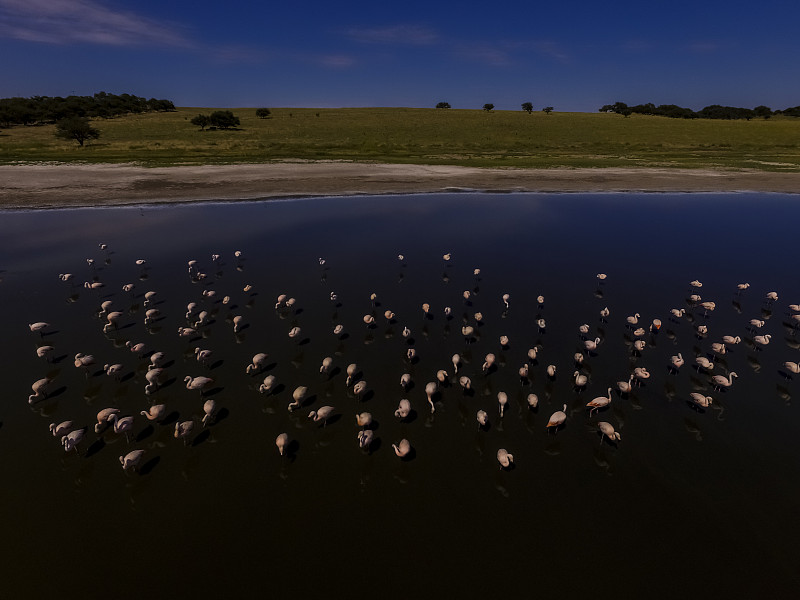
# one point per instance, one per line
(403, 409)
(61, 429)
(465, 382)
(44, 352)
(210, 410)
(114, 370)
(72, 439)
(267, 385)
(762, 340)
(104, 418)
(38, 327)
(151, 315)
(504, 458)
(704, 363)
(113, 318)
(298, 395)
(204, 356)
(482, 418)
(282, 442)
(591, 345)
(139, 349)
(131, 460)
(84, 361)
(123, 425)
(405, 381)
(488, 362)
(700, 400)
(557, 418)
(352, 370)
(155, 412)
(157, 360)
(792, 366)
(359, 389)
(402, 448)
(641, 374)
(327, 362)
(322, 414)
(502, 401)
(197, 383)
(202, 319)
(365, 438)
(625, 386)
(606, 429)
(259, 361)
(677, 361)
(183, 429)
(364, 420)
(533, 401)
(39, 388)
(599, 402)
(430, 389)
(726, 382)
(580, 379)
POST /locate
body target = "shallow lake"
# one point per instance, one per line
(690, 502)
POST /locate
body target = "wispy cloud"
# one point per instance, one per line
(483, 53)
(508, 52)
(414, 35)
(83, 22)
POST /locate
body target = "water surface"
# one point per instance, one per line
(692, 502)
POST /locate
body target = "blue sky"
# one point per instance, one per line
(574, 55)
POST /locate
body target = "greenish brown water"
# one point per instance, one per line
(689, 502)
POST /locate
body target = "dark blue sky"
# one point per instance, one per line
(573, 54)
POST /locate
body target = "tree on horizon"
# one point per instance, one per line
(76, 128)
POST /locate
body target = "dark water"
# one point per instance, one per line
(690, 502)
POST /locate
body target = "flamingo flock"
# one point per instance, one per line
(340, 389)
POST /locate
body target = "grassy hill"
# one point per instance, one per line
(422, 135)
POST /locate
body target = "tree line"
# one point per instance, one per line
(489, 107)
(714, 111)
(40, 110)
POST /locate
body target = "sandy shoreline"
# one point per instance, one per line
(58, 186)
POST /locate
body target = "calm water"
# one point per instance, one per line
(690, 502)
